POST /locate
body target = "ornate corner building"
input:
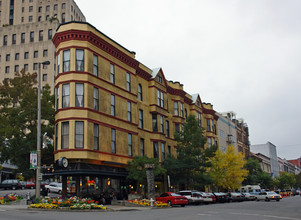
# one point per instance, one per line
(110, 108)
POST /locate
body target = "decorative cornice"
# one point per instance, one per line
(143, 74)
(92, 38)
(210, 112)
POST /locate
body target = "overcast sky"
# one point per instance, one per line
(239, 55)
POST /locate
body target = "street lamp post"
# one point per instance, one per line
(38, 174)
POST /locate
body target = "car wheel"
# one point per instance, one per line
(169, 203)
(267, 199)
(31, 187)
(59, 192)
(48, 190)
(13, 188)
(23, 187)
(182, 205)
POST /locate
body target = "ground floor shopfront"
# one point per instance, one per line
(101, 182)
(7, 171)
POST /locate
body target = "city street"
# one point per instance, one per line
(23, 192)
(286, 209)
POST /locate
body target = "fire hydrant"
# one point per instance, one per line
(28, 202)
(152, 202)
(28, 195)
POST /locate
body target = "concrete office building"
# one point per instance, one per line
(264, 161)
(235, 132)
(268, 150)
(227, 134)
(26, 30)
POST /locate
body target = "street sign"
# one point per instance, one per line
(40, 176)
(33, 160)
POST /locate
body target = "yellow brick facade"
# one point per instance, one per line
(160, 98)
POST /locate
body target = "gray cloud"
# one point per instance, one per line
(238, 55)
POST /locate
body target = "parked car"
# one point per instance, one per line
(236, 197)
(11, 184)
(293, 192)
(172, 199)
(22, 184)
(43, 184)
(212, 196)
(194, 197)
(249, 197)
(54, 187)
(221, 197)
(267, 196)
(208, 197)
(29, 185)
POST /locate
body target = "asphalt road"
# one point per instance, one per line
(286, 209)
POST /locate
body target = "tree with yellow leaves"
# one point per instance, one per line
(227, 169)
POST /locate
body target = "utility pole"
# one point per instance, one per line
(38, 174)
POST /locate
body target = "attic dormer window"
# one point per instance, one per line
(198, 103)
(160, 79)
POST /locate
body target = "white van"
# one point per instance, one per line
(252, 189)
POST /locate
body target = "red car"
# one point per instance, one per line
(30, 185)
(172, 199)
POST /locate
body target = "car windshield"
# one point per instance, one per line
(174, 194)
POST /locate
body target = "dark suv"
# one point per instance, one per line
(11, 184)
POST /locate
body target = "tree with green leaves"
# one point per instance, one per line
(255, 170)
(18, 116)
(173, 168)
(265, 180)
(256, 175)
(136, 169)
(190, 167)
(298, 181)
(286, 180)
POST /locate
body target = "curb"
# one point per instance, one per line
(109, 209)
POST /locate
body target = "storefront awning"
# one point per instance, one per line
(85, 172)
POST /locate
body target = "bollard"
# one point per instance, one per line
(152, 202)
